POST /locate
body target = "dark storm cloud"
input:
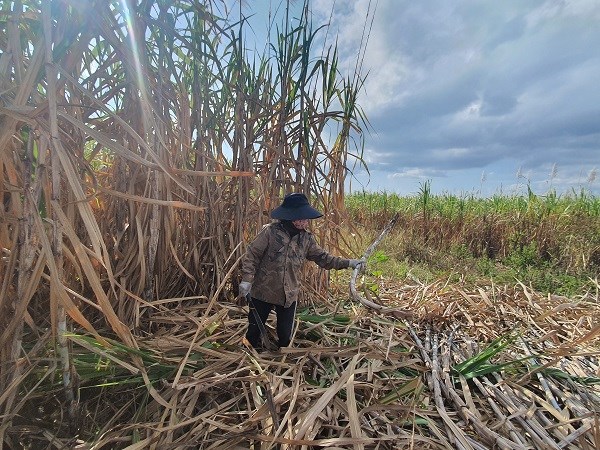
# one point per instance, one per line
(465, 85)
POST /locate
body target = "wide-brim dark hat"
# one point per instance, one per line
(295, 207)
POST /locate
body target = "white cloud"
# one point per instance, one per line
(421, 174)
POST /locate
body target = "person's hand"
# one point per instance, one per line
(357, 263)
(245, 287)
(244, 290)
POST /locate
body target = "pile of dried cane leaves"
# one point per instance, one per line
(498, 367)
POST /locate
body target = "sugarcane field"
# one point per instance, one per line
(147, 146)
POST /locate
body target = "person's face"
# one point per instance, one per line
(301, 224)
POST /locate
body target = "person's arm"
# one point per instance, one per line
(323, 259)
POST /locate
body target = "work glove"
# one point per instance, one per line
(245, 287)
(360, 263)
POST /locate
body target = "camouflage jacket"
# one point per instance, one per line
(273, 263)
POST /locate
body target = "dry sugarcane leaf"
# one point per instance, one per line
(94, 281)
(152, 201)
(307, 420)
(353, 416)
(59, 290)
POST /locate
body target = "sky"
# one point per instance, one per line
(474, 96)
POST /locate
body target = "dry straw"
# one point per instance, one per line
(139, 146)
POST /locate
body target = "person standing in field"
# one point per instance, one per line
(272, 265)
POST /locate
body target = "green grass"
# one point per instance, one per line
(549, 242)
(378, 203)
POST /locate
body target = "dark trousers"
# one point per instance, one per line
(285, 322)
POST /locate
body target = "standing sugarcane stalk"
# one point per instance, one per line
(25, 254)
(61, 320)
